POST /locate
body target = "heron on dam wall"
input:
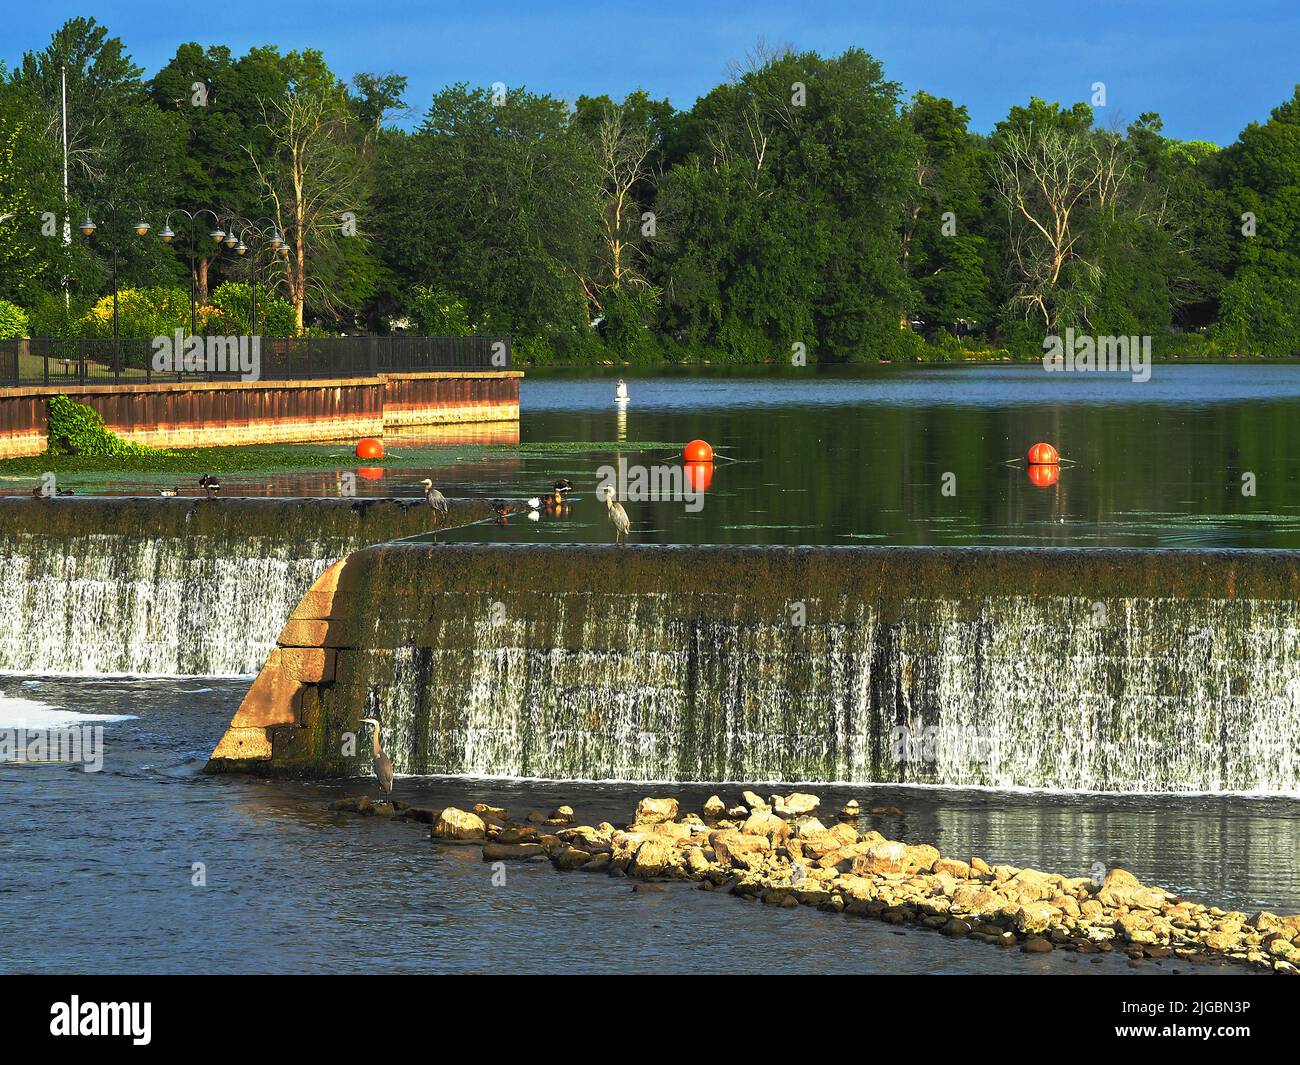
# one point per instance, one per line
(617, 515)
(436, 500)
(382, 763)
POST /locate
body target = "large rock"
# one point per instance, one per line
(888, 857)
(818, 845)
(920, 857)
(499, 852)
(738, 849)
(953, 867)
(1036, 917)
(714, 808)
(845, 833)
(797, 804)
(458, 824)
(653, 858)
(654, 811)
(766, 824)
(978, 899)
(565, 858)
(1028, 885)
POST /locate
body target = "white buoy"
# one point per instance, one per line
(620, 392)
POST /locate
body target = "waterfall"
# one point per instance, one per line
(174, 586)
(1106, 670)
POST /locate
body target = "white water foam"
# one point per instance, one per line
(30, 714)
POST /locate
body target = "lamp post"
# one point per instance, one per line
(266, 234)
(217, 235)
(88, 228)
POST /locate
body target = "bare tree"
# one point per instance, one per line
(623, 150)
(315, 180)
(1044, 175)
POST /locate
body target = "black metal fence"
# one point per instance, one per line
(138, 360)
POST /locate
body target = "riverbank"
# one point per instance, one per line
(786, 851)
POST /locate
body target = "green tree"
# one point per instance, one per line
(944, 249)
(490, 201)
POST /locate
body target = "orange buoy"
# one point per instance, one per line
(1043, 455)
(371, 473)
(1044, 474)
(698, 451)
(370, 448)
(699, 475)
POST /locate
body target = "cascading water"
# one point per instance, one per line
(169, 586)
(1110, 670)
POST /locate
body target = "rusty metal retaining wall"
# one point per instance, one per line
(258, 412)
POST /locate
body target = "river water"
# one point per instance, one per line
(97, 868)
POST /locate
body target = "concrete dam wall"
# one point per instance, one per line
(175, 586)
(1098, 669)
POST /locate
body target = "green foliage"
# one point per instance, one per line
(233, 303)
(13, 321)
(439, 313)
(75, 429)
(491, 204)
(829, 220)
(142, 312)
(628, 312)
(50, 316)
(1260, 314)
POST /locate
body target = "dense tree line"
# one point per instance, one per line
(803, 207)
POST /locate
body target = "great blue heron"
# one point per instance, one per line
(382, 763)
(436, 500)
(617, 515)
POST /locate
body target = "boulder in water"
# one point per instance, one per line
(654, 811)
(457, 824)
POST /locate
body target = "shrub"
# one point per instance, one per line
(50, 316)
(232, 303)
(1259, 315)
(13, 321)
(76, 429)
(438, 313)
(144, 312)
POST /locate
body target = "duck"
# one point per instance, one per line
(502, 511)
(167, 492)
(210, 484)
(555, 498)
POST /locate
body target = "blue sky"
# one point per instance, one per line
(1208, 66)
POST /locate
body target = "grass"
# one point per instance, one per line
(262, 458)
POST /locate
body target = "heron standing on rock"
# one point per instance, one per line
(436, 500)
(617, 515)
(382, 763)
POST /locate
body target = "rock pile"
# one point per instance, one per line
(779, 851)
